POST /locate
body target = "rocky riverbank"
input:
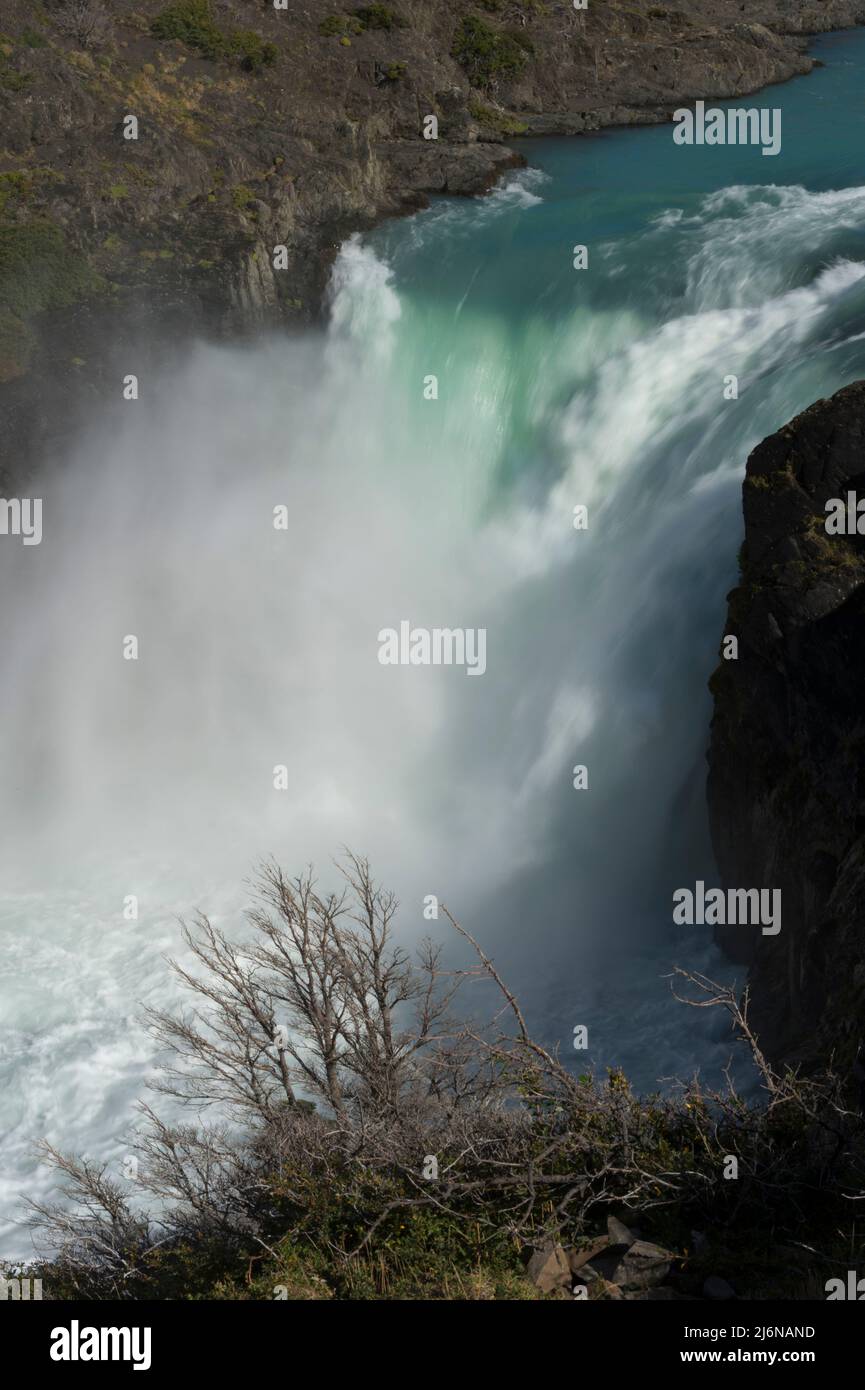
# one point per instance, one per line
(260, 127)
(787, 755)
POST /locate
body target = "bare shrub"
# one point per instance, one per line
(85, 22)
(340, 1066)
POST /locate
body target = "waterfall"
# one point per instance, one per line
(153, 779)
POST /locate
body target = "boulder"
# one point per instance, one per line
(578, 1258)
(549, 1269)
(618, 1233)
(642, 1266)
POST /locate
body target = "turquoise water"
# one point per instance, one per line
(606, 387)
(556, 388)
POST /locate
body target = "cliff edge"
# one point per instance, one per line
(262, 124)
(786, 783)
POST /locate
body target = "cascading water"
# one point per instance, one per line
(258, 647)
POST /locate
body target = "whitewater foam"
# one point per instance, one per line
(258, 647)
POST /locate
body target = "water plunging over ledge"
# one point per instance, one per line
(258, 647)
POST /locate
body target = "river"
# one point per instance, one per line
(444, 504)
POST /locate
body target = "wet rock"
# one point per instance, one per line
(785, 756)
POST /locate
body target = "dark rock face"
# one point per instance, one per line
(787, 755)
(179, 226)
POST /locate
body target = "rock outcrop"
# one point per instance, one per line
(261, 126)
(616, 1265)
(787, 755)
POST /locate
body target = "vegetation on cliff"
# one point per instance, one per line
(193, 23)
(84, 63)
(320, 114)
(38, 272)
(488, 57)
(374, 1139)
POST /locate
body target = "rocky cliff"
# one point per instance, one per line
(787, 755)
(260, 126)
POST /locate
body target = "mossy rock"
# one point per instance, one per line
(38, 272)
(16, 186)
(17, 341)
(499, 121)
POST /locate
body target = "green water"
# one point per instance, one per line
(606, 387)
(557, 388)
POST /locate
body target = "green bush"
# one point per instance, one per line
(486, 55)
(192, 22)
(18, 186)
(254, 53)
(241, 196)
(31, 39)
(340, 26)
(10, 78)
(521, 39)
(367, 17)
(379, 17)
